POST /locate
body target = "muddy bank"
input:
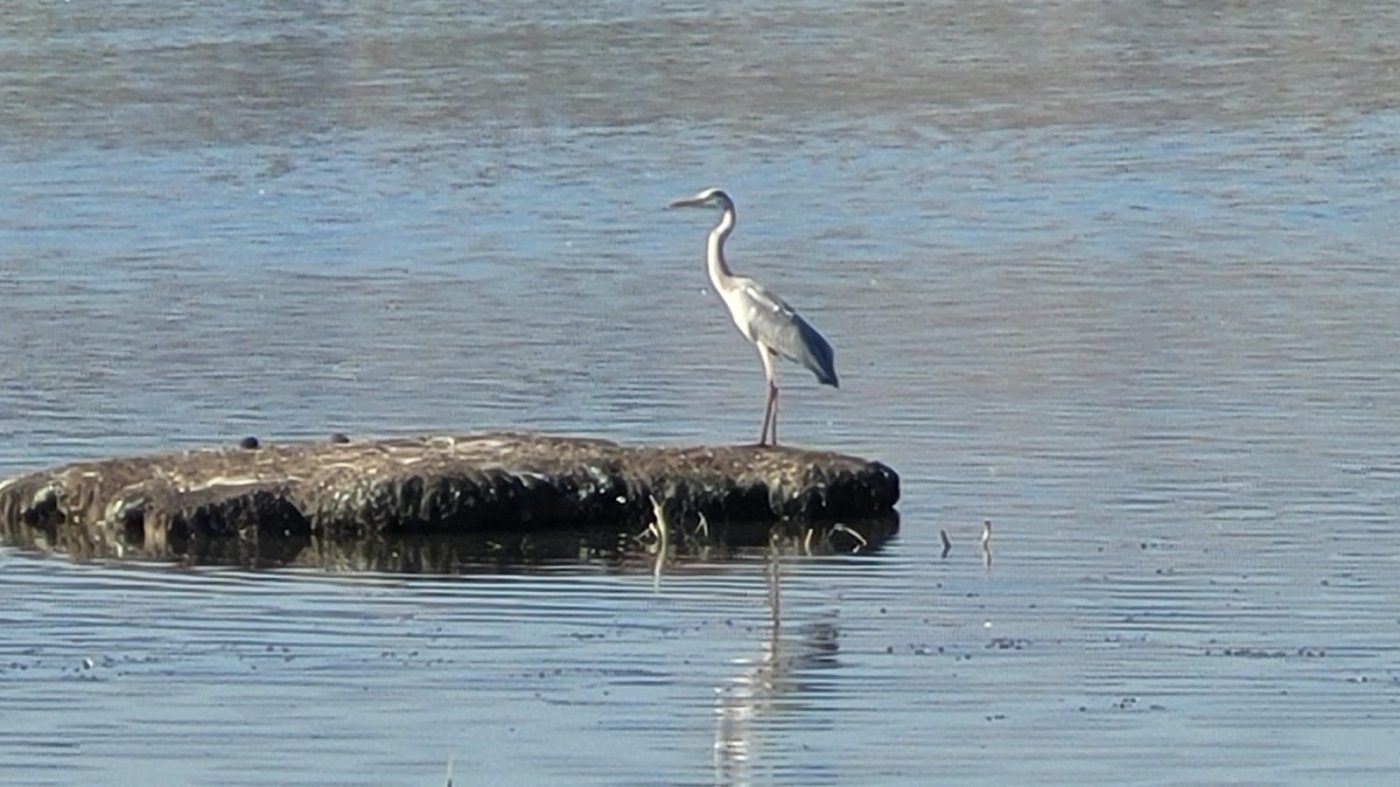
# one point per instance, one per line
(314, 502)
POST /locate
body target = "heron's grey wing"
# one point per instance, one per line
(779, 327)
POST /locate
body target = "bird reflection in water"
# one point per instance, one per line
(769, 687)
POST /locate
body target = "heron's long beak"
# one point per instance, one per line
(687, 202)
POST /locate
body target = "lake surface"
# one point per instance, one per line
(1118, 277)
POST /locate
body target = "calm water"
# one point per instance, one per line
(1118, 277)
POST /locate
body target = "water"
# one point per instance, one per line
(1115, 276)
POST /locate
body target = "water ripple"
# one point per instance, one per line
(1116, 277)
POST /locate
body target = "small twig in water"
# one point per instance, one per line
(659, 523)
(661, 527)
(857, 536)
(947, 542)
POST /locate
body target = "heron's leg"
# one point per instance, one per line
(773, 427)
(773, 413)
(770, 394)
(770, 404)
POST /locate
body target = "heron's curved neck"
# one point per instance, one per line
(720, 275)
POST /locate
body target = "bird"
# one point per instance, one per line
(761, 316)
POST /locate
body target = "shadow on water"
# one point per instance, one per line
(434, 554)
(614, 547)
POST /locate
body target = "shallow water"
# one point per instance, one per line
(1116, 277)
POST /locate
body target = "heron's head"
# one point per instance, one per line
(709, 198)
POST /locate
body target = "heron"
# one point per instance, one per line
(762, 317)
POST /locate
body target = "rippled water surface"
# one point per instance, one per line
(1118, 277)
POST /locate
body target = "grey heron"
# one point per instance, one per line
(764, 318)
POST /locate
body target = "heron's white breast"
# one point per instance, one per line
(740, 310)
